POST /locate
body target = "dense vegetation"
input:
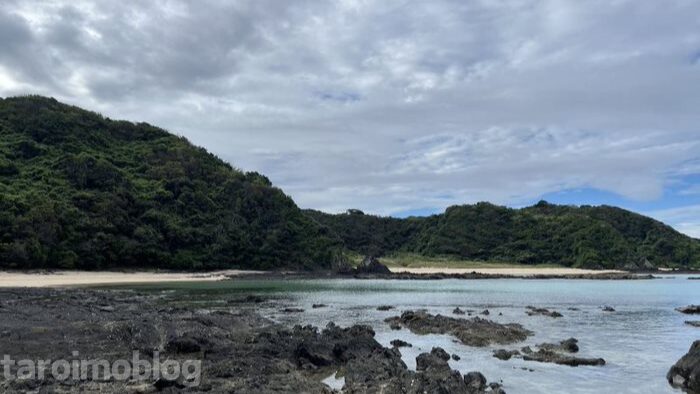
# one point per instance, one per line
(586, 236)
(78, 190)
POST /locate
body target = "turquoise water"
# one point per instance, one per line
(640, 341)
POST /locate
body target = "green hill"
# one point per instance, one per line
(586, 236)
(78, 190)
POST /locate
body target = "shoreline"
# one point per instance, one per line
(515, 272)
(60, 278)
(73, 278)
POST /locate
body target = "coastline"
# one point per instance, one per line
(72, 278)
(515, 272)
(59, 278)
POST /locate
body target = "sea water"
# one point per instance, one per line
(640, 341)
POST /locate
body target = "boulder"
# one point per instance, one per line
(689, 310)
(371, 265)
(400, 343)
(685, 374)
(475, 380)
(503, 354)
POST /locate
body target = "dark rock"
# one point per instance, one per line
(458, 311)
(532, 311)
(503, 354)
(572, 309)
(292, 310)
(471, 332)
(456, 357)
(316, 306)
(385, 308)
(569, 346)
(608, 308)
(549, 356)
(694, 323)
(485, 312)
(400, 343)
(689, 310)
(371, 265)
(435, 360)
(183, 344)
(475, 381)
(685, 374)
(395, 326)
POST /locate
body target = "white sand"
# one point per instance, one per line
(79, 278)
(525, 271)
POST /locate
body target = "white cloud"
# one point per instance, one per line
(387, 106)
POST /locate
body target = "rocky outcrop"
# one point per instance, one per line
(400, 343)
(685, 374)
(694, 323)
(557, 353)
(689, 310)
(642, 265)
(472, 332)
(533, 311)
(371, 265)
(503, 354)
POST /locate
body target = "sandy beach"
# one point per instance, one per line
(82, 278)
(524, 271)
(86, 278)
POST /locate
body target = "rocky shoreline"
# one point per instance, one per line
(240, 351)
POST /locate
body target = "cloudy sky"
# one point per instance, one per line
(395, 107)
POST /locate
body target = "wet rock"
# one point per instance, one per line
(689, 310)
(475, 381)
(184, 344)
(685, 374)
(694, 323)
(608, 308)
(533, 311)
(385, 308)
(395, 326)
(472, 332)
(569, 345)
(503, 354)
(292, 310)
(456, 357)
(557, 354)
(485, 312)
(316, 306)
(371, 265)
(571, 308)
(458, 311)
(435, 360)
(400, 343)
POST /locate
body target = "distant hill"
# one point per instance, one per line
(586, 236)
(78, 190)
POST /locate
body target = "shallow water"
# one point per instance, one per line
(639, 342)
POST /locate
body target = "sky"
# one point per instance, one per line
(395, 107)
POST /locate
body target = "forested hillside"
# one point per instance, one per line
(586, 236)
(78, 190)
